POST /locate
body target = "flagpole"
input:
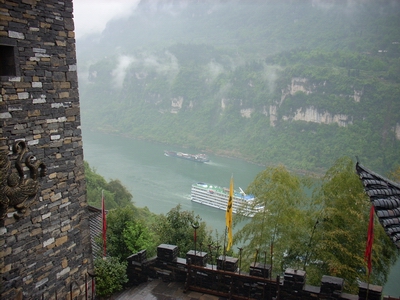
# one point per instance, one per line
(368, 248)
(195, 227)
(228, 221)
(255, 257)
(211, 260)
(104, 220)
(226, 231)
(272, 255)
(228, 216)
(223, 266)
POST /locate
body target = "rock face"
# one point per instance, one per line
(307, 114)
(46, 251)
(311, 113)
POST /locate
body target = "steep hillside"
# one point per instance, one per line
(299, 84)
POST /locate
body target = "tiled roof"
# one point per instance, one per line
(385, 196)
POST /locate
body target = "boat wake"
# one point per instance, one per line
(214, 164)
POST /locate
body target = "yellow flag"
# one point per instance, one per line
(228, 215)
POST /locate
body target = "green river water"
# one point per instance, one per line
(161, 183)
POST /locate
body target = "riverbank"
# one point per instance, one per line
(317, 174)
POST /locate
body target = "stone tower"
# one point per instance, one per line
(45, 246)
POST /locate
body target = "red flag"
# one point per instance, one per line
(103, 214)
(370, 240)
(93, 287)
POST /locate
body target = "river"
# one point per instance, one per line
(161, 183)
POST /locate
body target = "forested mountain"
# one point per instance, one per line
(294, 82)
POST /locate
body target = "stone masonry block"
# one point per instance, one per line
(63, 272)
(61, 240)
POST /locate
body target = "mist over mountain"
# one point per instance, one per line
(298, 82)
(258, 27)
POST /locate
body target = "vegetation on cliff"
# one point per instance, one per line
(299, 84)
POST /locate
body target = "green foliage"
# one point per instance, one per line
(176, 229)
(110, 276)
(395, 174)
(323, 233)
(127, 226)
(138, 237)
(128, 232)
(115, 194)
(117, 221)
(342, 229)
(282, 223)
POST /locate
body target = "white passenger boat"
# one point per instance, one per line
(217, 197)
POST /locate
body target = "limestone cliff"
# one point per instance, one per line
(312, 113)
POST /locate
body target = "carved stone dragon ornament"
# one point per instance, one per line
(16, 189)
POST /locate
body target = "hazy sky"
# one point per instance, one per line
(91, 16)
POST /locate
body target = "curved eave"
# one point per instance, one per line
(384, 195)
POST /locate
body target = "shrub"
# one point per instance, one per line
(110, 275)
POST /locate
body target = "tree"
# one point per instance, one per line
(94, 185)
(121, 194)
(281, 227)
(115, 194)
(342, 231)
(323, 234)
(176, 229)
(110, 275)
(129, 231)
(117, 221)
(395, 174)
(138, 237)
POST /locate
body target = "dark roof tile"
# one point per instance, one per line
(384, 195)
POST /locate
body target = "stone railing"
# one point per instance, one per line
(226, 280)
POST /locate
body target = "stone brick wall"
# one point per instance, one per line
(46, 251)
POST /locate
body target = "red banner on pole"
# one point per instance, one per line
(103, 213)
(370, 240)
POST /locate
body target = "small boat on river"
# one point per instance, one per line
(193, 157)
